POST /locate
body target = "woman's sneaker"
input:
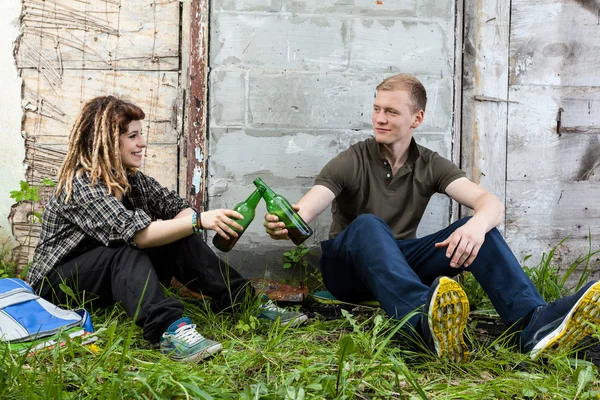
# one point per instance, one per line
(268, 310)
(556, 327)
(181, 342)
(444, 320)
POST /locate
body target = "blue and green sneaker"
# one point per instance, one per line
(181, 342)
(269, 310)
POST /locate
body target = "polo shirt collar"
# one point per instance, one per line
(413, 151)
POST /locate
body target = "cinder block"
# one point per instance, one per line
(438, 113)
(391, 46)
(240, 157)
(333, 101)
(436, 216)
(401, 8)
(227, 97)
(279, 42)
(437, 9)
(287, 100)
(246, 5)
(441, 143)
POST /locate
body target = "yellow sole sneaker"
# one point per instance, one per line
(575, 326)
(447, 317)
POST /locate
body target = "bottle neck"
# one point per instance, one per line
(254, 199)
(264, 190)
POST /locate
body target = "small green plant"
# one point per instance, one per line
(295, 257)
(8, 268)
(553, 283)
(295, 261)
(30, 193)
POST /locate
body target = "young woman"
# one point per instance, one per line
(113, 234)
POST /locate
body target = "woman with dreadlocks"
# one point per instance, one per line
(113, 234)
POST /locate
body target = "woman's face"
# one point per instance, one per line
(131, 145)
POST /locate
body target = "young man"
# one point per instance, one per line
(379, 189)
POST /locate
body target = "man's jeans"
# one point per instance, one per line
(365, 261)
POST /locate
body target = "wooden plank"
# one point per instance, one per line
(196, 103)
(51, 111)
(536, 151)
(555, 42)
(159, 163)
(541, 214)
(99, 34)
(184, 84)
(483, 141)
(458, 93)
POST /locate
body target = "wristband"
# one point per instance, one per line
(196, 223)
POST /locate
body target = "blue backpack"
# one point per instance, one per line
(28, 322)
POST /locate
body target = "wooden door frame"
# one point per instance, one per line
(485, 95)
(194, 80)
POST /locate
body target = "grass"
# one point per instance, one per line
(359, 356)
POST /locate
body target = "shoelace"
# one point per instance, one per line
(188, 334)
(269, 305)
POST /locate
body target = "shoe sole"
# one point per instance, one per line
(201, 355)
(449, 314)
(574, 327)
(295, 321)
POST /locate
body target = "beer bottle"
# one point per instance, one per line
(298, 230)
(246, 208)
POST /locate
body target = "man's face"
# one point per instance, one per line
(131, 145)
(392, 119)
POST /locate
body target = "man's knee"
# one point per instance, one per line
(368, 220)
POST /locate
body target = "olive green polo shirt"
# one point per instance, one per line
(362, 182)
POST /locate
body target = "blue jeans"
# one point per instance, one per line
(365, 261)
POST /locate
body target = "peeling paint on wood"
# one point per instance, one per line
(196, 127)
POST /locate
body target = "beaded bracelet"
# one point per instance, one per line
(196, 223)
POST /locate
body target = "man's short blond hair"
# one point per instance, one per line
(416, 91)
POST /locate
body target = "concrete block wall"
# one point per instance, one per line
(292, 84)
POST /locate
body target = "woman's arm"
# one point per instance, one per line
(159, 233)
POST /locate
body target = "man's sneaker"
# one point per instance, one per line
(268, 310)
(556, 327)
(444, 320)
(181, 342)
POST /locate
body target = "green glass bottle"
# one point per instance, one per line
(298, 230)
(246, 208)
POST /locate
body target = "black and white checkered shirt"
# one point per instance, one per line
(92, 218)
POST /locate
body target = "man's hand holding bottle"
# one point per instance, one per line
(275, 228)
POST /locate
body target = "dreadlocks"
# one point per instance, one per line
(94, 145)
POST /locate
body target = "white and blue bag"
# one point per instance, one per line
(27, 318)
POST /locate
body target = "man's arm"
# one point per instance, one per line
(310, 206)
(464, 244)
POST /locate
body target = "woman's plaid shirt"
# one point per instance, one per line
(92, 218)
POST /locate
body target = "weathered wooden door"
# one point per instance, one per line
(74, 50)
(553, 146)
(532, 119)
